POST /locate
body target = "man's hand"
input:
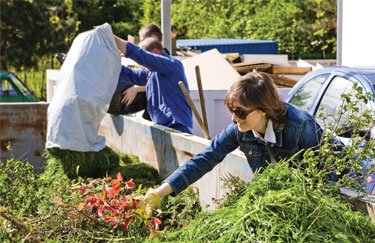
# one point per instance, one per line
(129, 95)
(150, 201)
(121, 44)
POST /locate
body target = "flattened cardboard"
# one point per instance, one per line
(216, 72)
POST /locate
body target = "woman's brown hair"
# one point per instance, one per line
(257, 90)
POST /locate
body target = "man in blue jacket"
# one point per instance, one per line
(166, 103)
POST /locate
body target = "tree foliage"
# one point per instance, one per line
(22, 23)
(122, 15)
(299, 26)
(32, 29)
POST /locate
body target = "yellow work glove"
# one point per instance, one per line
(150, 201)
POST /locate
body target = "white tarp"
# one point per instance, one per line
(87, 81)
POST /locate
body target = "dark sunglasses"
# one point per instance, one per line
(242, 114)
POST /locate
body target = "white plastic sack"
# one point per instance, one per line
(86, 83)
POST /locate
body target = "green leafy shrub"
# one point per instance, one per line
(27, 211)
(18, 185)
(346, 165)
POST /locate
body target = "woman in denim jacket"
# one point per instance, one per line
(264, 127)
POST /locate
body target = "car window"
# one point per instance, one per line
(306, 95)
(20, 85)
(6, 89)
(332, 100)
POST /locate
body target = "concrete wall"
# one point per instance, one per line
(166, 149)
(24, 126)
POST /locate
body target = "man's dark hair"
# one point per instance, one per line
(151, 29)
(149, 44)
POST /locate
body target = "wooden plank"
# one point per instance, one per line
(282, 80)
(371, 211)
(291, 70)
(186, 53)
(201, 97)
(241, 64)
(274, 59)
(192, 106)
(243, 69)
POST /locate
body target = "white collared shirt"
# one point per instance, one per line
(269, 136)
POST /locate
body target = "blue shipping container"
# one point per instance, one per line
(231, 45)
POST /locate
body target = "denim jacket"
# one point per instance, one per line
(300, 132)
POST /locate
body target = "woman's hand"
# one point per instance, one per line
(153, 197)
(150, 201)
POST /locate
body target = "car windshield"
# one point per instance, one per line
(306, 95)
(20, 85)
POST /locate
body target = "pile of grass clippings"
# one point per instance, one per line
(85, 164)
(179, 211)
(280, 205)
(126, 159)
(141, 173)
